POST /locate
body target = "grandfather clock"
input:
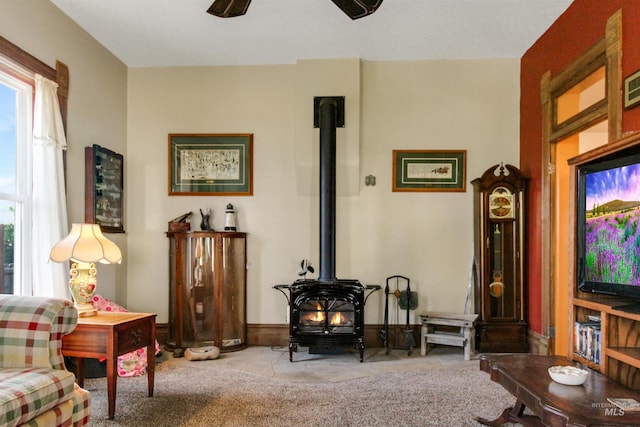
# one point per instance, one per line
(499, 257)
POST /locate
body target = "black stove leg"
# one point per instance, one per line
(292, 347)
(360, 346)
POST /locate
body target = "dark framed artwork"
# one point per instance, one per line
(103, 188)
(210, 164)
(429, 170)
(632, 90)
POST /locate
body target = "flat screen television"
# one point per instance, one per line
(608, 228)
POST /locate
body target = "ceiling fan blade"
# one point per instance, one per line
(229, 8)
(358, 8)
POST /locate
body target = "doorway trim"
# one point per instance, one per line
(606, 52)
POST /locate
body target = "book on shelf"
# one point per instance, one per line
(588, 341)
(625, 403)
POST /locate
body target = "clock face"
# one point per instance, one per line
(501, 203)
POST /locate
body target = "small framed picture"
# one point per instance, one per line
(632, 90)
(429, 170)
(210, 164)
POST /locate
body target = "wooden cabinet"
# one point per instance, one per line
(499, 260)
(207, 290)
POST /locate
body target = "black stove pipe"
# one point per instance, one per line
(328, 115)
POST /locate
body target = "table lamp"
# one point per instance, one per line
(84, 246)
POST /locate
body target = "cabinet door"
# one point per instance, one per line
(201, 290)
(192, 296)
(232, 290)
(502, 293)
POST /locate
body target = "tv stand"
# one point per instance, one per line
(633, 307)
(614, 348)
(619, 356)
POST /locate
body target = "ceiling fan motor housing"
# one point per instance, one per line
(353, 8)
(358, 8)
(229, 8)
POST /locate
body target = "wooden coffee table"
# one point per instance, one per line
(109, 335)
(553, 404)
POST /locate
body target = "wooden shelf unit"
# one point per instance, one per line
(620, 330)
(620, 339)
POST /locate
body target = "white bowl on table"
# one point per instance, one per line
(568, 375)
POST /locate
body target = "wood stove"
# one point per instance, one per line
(325, 316)
(328, 313)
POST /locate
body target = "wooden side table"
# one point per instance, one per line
(109, 335)
(463, 338)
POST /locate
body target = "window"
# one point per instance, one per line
(16, 95)
(585, 94)
(22, 262)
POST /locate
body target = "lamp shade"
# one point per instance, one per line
(86, 243)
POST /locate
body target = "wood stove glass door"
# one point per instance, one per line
(326, 315)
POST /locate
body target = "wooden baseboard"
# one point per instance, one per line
(257, 334)
(538, 344)
(268, 335)
(162, 333)
(278, 335)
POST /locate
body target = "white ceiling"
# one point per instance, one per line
(151, 33)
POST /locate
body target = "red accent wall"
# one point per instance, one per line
(575, 31)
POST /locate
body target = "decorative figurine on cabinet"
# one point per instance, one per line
(206, 218)
(230, 221)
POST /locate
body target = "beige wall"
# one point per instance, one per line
(97, 99)
(470, 105)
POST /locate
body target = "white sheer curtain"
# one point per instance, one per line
(49, 200)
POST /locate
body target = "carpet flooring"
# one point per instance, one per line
(317, 391)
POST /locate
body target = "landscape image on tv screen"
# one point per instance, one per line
(612, 232)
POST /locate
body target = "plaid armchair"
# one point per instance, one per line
(35, 387)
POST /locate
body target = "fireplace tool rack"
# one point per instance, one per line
(405, 300)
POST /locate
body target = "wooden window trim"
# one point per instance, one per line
(606, 52)
(576, 72)
(59, 75)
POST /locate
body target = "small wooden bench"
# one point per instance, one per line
(464, 337)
